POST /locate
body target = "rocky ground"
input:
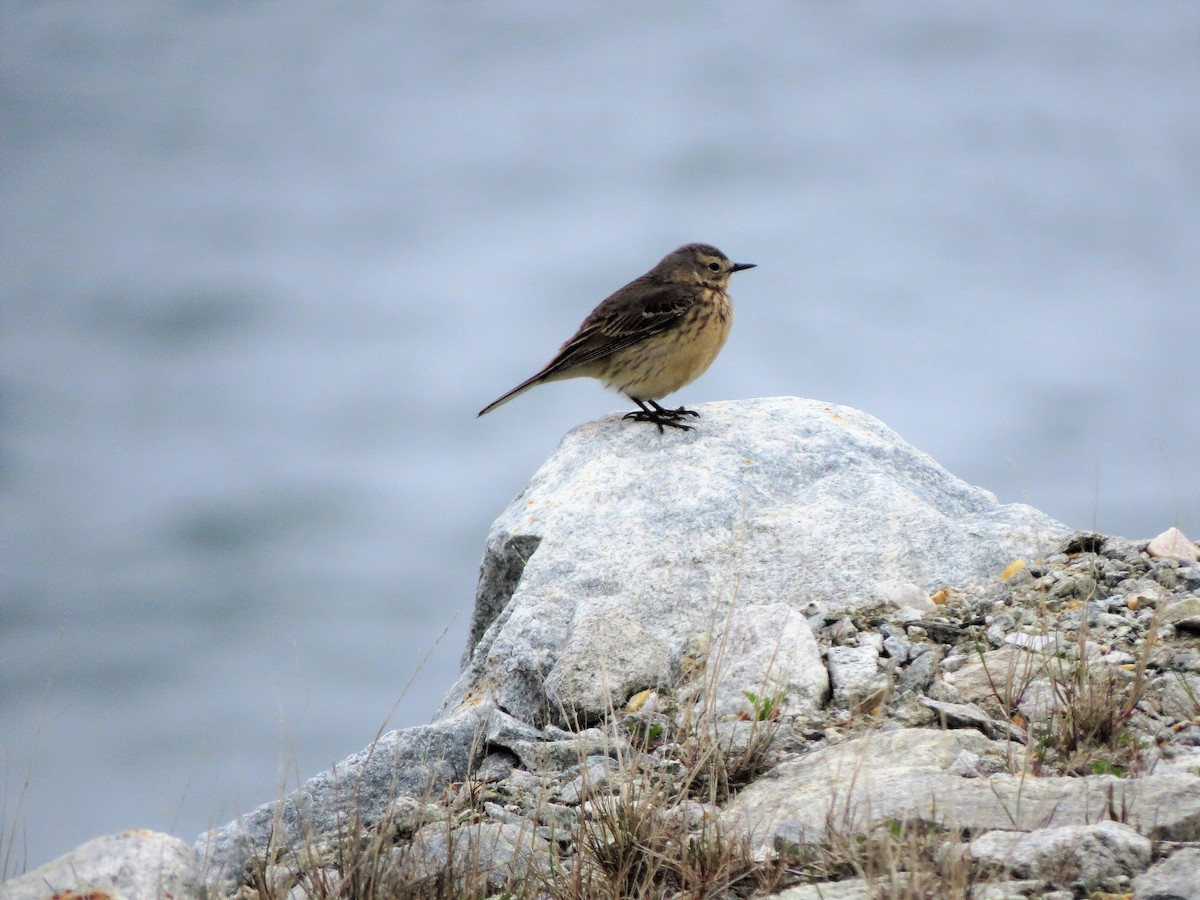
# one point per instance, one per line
(788, 656)
(1080, 665)
(1069, 686)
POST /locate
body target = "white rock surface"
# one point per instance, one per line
(629, 547)
(852, 671)
(851, 889)
(1083, 855)
(1174, 878)
(910, 774)
(501, 852)
(129, 865)
(1174, 544)
(767, 651)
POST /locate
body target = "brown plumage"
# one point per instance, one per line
(653, 336)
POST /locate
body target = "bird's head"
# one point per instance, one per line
(699, 264)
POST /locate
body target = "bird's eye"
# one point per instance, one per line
(714, 266)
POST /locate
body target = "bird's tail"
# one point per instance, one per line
(519, 389)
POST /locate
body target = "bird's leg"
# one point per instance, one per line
(659, 416)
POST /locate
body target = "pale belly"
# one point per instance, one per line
(663, 365)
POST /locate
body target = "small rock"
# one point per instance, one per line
(770, 651)
(1078, 585)
(279, 879)
(852, 671)
(495, 767)
(1039, 701)
(319, 883)
(1001, 672)
(1174, 878)
(1187, 737)
(842, 632)
(1146, 593)
(500, 852)
(851, 889)
(503, 729)
(906, 595)
(690, 813)
(962, 715)
(555, 756)
(1174, 544)
(498, 813)
(897, 648)
(1187, 761)
(919, 674)
(938, 629)
(954, 662)
(129, 864)
(871, 639)
(1186, 608)
(1083, 855)
(555, 816)
(1082, 542)
(1007, 890)
(643, 700)
(965, 765)
(520, 782)
(405, 815)
(1036, 642)
(593, 776)
(943, 691)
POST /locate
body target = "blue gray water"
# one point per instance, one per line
(261, 263)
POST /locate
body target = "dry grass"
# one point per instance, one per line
(12, 838)
(1087, 724)
(898, 861)
(632, 846)
(639, 835)
(648, 830)
(651, 828)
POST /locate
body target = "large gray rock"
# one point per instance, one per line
(130, 865)
(909, 775)
(629, 547)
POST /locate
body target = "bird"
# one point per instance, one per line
(653, 336)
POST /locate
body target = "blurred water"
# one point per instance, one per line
(261, 264)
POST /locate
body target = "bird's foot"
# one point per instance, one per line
(661, 416)
(677, 413)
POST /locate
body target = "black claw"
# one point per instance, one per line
(677, 413)
(659, 419)
(661, 416)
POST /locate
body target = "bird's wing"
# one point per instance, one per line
(636, 312)
(622, 321)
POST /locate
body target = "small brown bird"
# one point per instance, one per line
(653, 336)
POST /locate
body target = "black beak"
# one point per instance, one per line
(737, 267)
